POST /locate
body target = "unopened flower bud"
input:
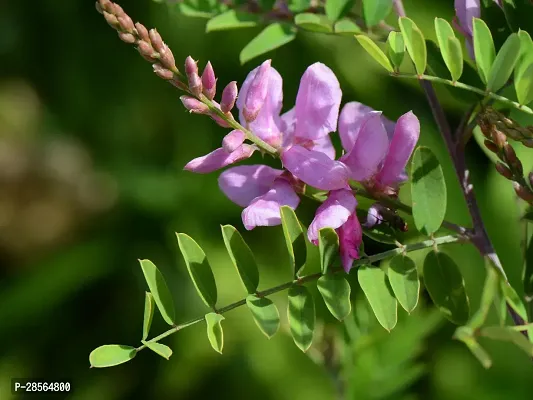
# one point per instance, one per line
(191, 67)
(142, 32)
(504, 171)
(194, 105)
(191, 70)
(229, 95)
(126, 24)
(117, 10)
(162, 72)
(233, 140)
(99, 7)
(209, 81)
(111, 19)
(522, 192)
(157, 41)
(167, 58)
(498, 138)
(510, 155)
(257, 92)
(485, 129)
(491, 146)
(126, 37)
(528, 143)
(146, 50)
(106, 5)
(219, 120)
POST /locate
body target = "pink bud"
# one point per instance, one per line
(233, 140)
(219, 120)
(146, 50)
(126, 37)
(209, 81)
(126, 24)
(194, 105)
(111, 19)
(190, 66)
(167, 58)
(162, 72)
(191, 70)
(257, 92)
(504, 171)
(229, 95)
(156, 40)
(142, 32)
(106, 5)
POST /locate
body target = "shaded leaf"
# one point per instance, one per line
(403, 278)
(483, 49)
(232, 19)
(336, 8)
(110, 355)
(159, 289)
(375, 11)
(524, 86)
(507, 334)
(313, 22)
(377, 290)
(149, 304)
(242, 258)
(528, 270)
(526, 54)
(299, 5)
(328, 246)
(395, 48)
(445, 285)
(346, 26)
(335, 291)
(514, 301)
(301, 314)
(159, 348)
(465, 335)
(215, 334)
(265, 314)
(488, 296)
(415, 43)
(374, 51)
(504, 64)
(199, 269)
(200, 8)
(294, 238)
(428, 191)
(273, 36)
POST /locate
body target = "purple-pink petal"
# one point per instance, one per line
(315, 168)
(369, 150)
(317, 103)
(265, 210)
(350, 238)
(233, 140)
(244, 183)
(403, 143)
(324, 145)
(219, 158)
(333, 213)
(465, 11)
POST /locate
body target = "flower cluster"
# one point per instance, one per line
(375, 154)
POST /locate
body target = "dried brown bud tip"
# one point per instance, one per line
(163, 73)
(157, 41)
(523, 193)
(498, 138)
(142, 32)
(504, 171)
(528, 143)
(126, 37)
(510, 155)
(491, 146)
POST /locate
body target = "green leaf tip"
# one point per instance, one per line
(110, 355)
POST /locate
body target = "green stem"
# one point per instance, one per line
(313, 277)
(464, 86)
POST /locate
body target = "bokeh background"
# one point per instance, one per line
(92, 146)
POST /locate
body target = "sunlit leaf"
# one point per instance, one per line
(159, 289)
(265, 314)
(328, 245)
(294, 238)
(376, 53)
(450, 48)
(159, 348)
(149, 305)
(375, 11)
(526, 54)
(346, 27)
(335, 291)
(504, 64)
(445, 285)
(215, 334)
(301, 314)
(299, 5)
(377, 290)
(313, 22)
(483, 49)
(232, 19)
(110, 355)
(273, 36)
(403, 278)
(242, 258)
(428, 191)
(395, 48)
(199, 269)
(415, 43)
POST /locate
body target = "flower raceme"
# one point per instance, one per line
(376, 152)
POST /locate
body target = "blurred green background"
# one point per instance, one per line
(92, 146)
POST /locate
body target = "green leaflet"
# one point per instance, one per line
(199, 269)
(215, 334)
(450, 48)
(301, 314)
(335, 291)
(395, 48)
(415, 43)
(346, 27)
(403, 278)
(504, 63)
(242, 258)
(374, 51)
(507, 334)
(273, 36)
(328, 246)
(428, 191)
(375, 285)
(159, 348)
(232, 19)
(445, 285)
(294, 238)
(265, 314)
(375, 11)
(148, 314)
(110, 355)
(484, 50)
(523, 75)
(313, 22)
(159, 289)
(336, 8)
